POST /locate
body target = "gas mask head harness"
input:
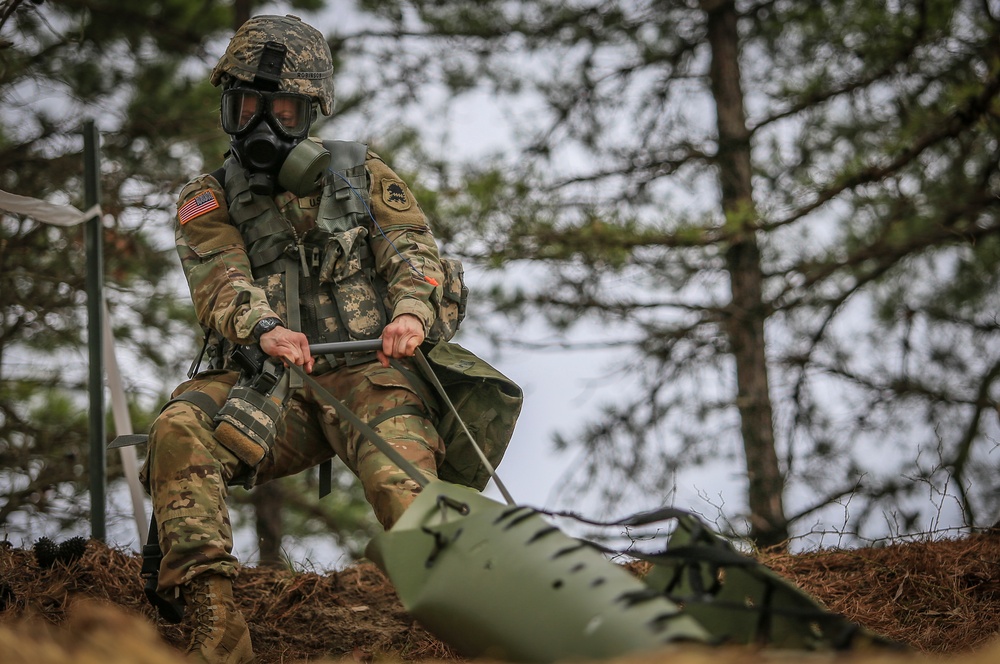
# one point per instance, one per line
(270, 128)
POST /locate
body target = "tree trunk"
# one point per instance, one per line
(241, 13)
(747, 312)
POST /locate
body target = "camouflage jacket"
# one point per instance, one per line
(218, 270)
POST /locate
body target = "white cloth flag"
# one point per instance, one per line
(67, 215)
(50, 213)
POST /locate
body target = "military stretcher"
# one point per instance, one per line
(502, 581)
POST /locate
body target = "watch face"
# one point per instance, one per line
(265, 326)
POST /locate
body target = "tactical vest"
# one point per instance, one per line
(321, 282)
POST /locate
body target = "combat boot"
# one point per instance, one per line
(220, 634)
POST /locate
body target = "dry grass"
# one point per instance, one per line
(942, 598)
(937, 596)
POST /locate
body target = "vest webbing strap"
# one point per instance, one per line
(266, 256)
(292, 312)
(345, 155)
(271, 226)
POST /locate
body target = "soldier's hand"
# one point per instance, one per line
(400, 338)
(292, 347)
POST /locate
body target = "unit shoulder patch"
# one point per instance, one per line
(194, 207)
(395, 194)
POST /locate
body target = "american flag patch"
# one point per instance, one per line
(197, 206)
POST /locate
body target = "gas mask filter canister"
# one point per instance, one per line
(303, 167)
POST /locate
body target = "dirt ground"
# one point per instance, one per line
(938, 597)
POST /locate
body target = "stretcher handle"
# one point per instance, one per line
(337, 347)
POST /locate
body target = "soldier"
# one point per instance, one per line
(294, 241)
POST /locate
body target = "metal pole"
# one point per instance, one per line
(95, 298)
(335, 347)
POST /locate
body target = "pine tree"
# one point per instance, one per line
(141, 71)
(788, 210)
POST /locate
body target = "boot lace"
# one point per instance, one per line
(205, 615)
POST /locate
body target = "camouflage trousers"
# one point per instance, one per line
(187, 471)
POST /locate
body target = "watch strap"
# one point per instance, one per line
(265, 325)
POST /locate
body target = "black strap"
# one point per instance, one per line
(706, 547)
(325, 478)
(196, 364)
(406, 409)
(170, 610)
(199, 399)
(220, 175)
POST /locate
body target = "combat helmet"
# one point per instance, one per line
(308, 63)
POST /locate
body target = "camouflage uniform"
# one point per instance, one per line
(187, 470)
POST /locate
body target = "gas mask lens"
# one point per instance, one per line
(287, 112)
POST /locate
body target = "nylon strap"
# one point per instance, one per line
(637, 519)
(325, 477)
(429, 372)
(128, 440)
(418, 385)
(196, 364)
(271, 226)
(198, 399)
(265, 257)
(152, 555)
(326, 467)
(365, 430)
(292, 308)
(715, 553)
(405, 409)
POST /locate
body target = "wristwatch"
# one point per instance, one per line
(265, 325)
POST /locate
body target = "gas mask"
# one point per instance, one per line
(269, 138)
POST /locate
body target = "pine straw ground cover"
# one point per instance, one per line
(939, 597)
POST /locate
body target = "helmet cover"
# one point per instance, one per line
(308, 64)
